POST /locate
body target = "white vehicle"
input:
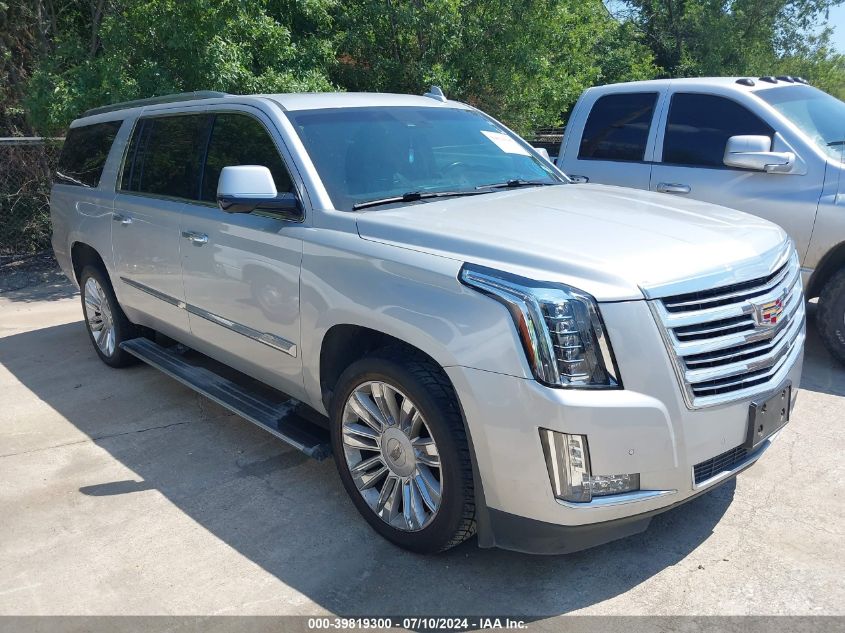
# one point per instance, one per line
(482, 346)
(771, 146)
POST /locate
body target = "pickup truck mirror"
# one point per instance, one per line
(754, 152)
(542, 151)
(248, 188)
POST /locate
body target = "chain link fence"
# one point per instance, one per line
(26, 171)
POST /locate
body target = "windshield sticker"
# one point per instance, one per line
(505, 143)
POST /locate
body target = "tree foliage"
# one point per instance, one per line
(740, 37)
(524, 61)
(126, 49)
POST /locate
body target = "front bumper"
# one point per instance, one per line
(644, 428)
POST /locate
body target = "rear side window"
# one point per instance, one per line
(164, 156)
(238, 139)
(699, 126)
(84, 153)
(617, 128)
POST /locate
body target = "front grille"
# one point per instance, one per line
(719, 464)
(730, 342)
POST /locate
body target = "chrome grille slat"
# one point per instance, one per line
(767, 283)
(739, 350)
(721, 347)
(733, 340)
(736, 309)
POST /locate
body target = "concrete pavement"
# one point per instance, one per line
(122, 492)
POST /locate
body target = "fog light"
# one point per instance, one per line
(568, 462)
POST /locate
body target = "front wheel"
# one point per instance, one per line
(402, 453)
(105, 321)
(830, 318)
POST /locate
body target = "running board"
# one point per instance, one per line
(284, 418)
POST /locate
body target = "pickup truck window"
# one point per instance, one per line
(84, 153)
(164, 156)
(819, 115)
(365, 154)
(617, 128)
(699, 126)
(238, 139)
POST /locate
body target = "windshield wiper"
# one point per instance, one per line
(518, 182)
(833, 143)
(413, 196)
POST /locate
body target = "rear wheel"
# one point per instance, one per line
(830, 318)
(105, 321)
(402, 453)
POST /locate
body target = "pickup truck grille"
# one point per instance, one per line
(734, 341)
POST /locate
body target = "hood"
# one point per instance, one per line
(615, 243)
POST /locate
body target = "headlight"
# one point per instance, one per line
(560, 328)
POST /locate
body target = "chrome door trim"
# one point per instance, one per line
(153, 292)
(271, 340)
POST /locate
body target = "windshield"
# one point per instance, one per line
(367, 154)
(819, 115)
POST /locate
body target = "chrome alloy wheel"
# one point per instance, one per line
(392, 456)
(98, 316)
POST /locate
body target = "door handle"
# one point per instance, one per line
(197, 239)
(125, 220)
(672, 187)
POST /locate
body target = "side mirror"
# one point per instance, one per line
(542, 151)
(754, 152)
(248, 188)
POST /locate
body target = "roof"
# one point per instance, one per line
(289, 101)
(320, 100)
(702, 82)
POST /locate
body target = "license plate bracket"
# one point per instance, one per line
(768, 416)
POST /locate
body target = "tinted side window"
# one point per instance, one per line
(699, 126)
(238, 139)
(84, 153)
(617, 128)
(164, 156)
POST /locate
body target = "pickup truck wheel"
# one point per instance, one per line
(401, 450)
(830, 318)
(105, 321)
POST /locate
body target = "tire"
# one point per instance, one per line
(410, 473)
(105, 321)
(830, 318)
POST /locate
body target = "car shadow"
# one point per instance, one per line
(822, 372)
(290, 515)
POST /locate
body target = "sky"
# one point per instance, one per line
(837, 21)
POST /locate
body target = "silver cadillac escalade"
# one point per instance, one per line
(404, 283)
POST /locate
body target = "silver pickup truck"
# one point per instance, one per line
(771, 146)
(404, 283)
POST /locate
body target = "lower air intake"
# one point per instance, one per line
(719, 464)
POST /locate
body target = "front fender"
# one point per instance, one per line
(412, 296)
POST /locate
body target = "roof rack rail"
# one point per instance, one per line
(172, 98)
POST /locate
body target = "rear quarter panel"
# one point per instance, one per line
(83, 214)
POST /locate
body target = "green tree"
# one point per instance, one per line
(524, 61)
(127, 49)
(739, 37)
